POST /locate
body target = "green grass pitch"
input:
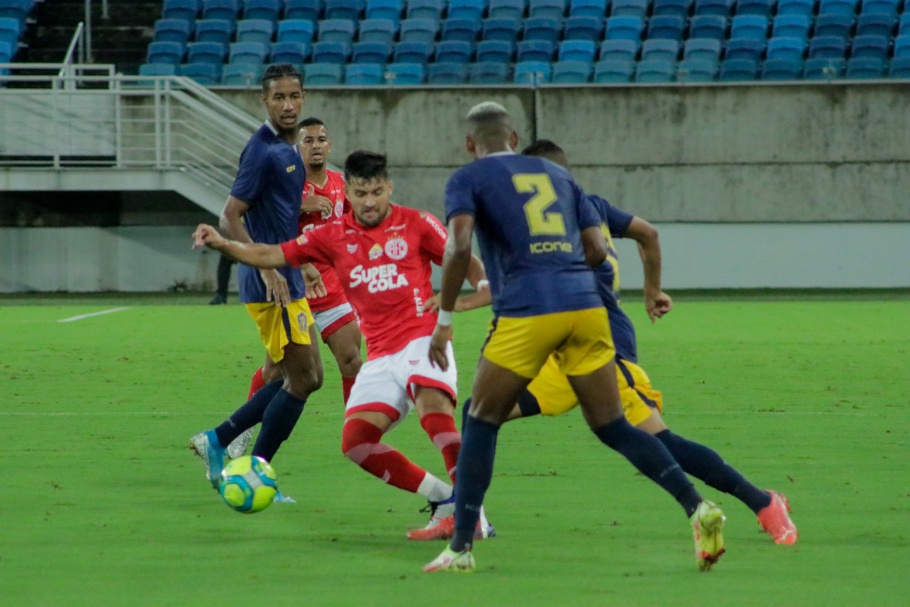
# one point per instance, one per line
(103, 504)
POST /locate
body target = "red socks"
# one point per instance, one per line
(256, 382)
(441, 430)
(360, 443)
(346, 384)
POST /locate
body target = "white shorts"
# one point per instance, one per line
(329, 321)
(387, 384)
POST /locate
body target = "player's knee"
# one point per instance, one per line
(349, 364)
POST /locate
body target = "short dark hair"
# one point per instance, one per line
(311, 121)
(280, 70)
(545, 148)
(363, 165)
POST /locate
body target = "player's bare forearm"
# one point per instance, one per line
(231, 220)
(476, 272)
(648, 241)
(456, 260)
(474, 300)
(251, 254)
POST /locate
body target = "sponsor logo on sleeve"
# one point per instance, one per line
(302, 239)
(375, 252)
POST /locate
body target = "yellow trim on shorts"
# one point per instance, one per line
(280, 326)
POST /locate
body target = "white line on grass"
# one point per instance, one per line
(102, 312)
(198, 413)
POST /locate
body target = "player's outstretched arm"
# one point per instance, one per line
(252, 254)
(657, 303)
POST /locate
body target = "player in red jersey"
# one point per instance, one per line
(382, 253)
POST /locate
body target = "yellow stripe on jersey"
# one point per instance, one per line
(280, 326)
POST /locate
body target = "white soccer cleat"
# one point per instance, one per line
(238, 446)
(449, 560)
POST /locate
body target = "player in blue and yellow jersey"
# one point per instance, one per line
(538, 236)
(263, 206)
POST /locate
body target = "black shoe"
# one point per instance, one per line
(218, 300)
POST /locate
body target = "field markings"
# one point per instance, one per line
(325, 414)
(84, 316)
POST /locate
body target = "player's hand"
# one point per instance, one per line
(432, 304)
(314, 202)
(207, 236)
(658, 305)
(312, 279)
(438, 342)
(276, 287)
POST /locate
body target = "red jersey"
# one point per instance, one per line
(334, 191)
(384, 270)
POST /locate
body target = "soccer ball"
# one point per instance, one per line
(248, 484)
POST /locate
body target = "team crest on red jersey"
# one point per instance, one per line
(396, 248)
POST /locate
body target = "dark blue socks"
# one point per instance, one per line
(278, 422)
(249, 414)
(473, 476)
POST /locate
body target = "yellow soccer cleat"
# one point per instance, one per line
(707, 523)
(449, 560)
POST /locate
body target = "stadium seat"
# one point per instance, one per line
(214, 30)
(241, 74)
(795, 7)
(220, 9)
(749, 26)
(454, 51)
(418, 29)
(371, 52)
(875, 47)
(425, 9)
(488, 73)
(447, 73)
(618, 50)
(899, 68)
(705, 49)
(865, 68)
(166, 30)
(613, 71)
(708, 26)
(288, 52)
(720, 8)
(305, 10)
(505, 9)
(384, 9)
(466, 9)
(837, 7)
(254, 53)
(535, 50)
(762, 8)
(377, 30)
(571, 72)
(549, 9)
(823, 69)
(262, 9)
(255, 30)
(782, 69)
(364, 74)
(494, 51)
(205, 74)
(791, 26)
(696, 70)
(583, 27)
(785, 48)
(157, 69)
(629, 8)
(322, 74)
(542, 28)
(588, 8)
(833, 25)
(875, 24)
(296, 30)
(732, 70)
(533, 73)
(880, 7)
(666, 27)
(577, 50)
(660, 48)
(902, 46)
(676, 8)
(330, 52)
(827, 47)
(344, 9)
(336, 30)
(504, 29)
(655, 71)
(165, 52)
(405, 74)
(185, 10)
(461, 29)
(206, 52)
(744, 48)
(624, 28)
(411, 51)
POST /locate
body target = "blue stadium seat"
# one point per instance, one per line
(165, 52)
(307, 10)
(833, 25)
(706, 49)
(214, 30)
(582, 27)
(255, 30)
(899, 68)
(466, 9)
(660, 48)
(330, 52)
(241, 74)
(708, 26)
(837, 7)
(823, 69)
(625, 28)
(405, 74)
(749, 26)
(454, 51)
(618, 50)
(791, 26)
(629, 8)
(577, 50)
(902, 46)
(447, 73)
(377, 30)
(254, 53)
(614, 71)
(532, 73)
(762, 8)
(296, 30)
(505, 9)
(880, 7)
(488, 73)
(865, 68)
(875, 47)
(322, 74)
(720, 8)
(678, 8)
(875, 24)
(337, 30)
(572, 72)
(732, 70)
(667, 27)
(551, 9)
(501, 29)
(418, 29)
(262, 9)
(796, 7)
(588, 8)
(206, 52)
(166, 30)
(425, 9)
(288, 52)
(371, 52)
(696, 70)
(413, 51)
(782, 69)
(157, 69)
(344, 9)
(186, 10)
(384, 9)
(903, 24)
(827, 47)
(494, 51)
(536, 50)
(542, 28)
(205, 74)
(364, 74)
(785, 48)
(461, 29)
(220, 9)
(744, 48)
(655, 71)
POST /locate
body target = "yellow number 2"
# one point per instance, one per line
(539, 221)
